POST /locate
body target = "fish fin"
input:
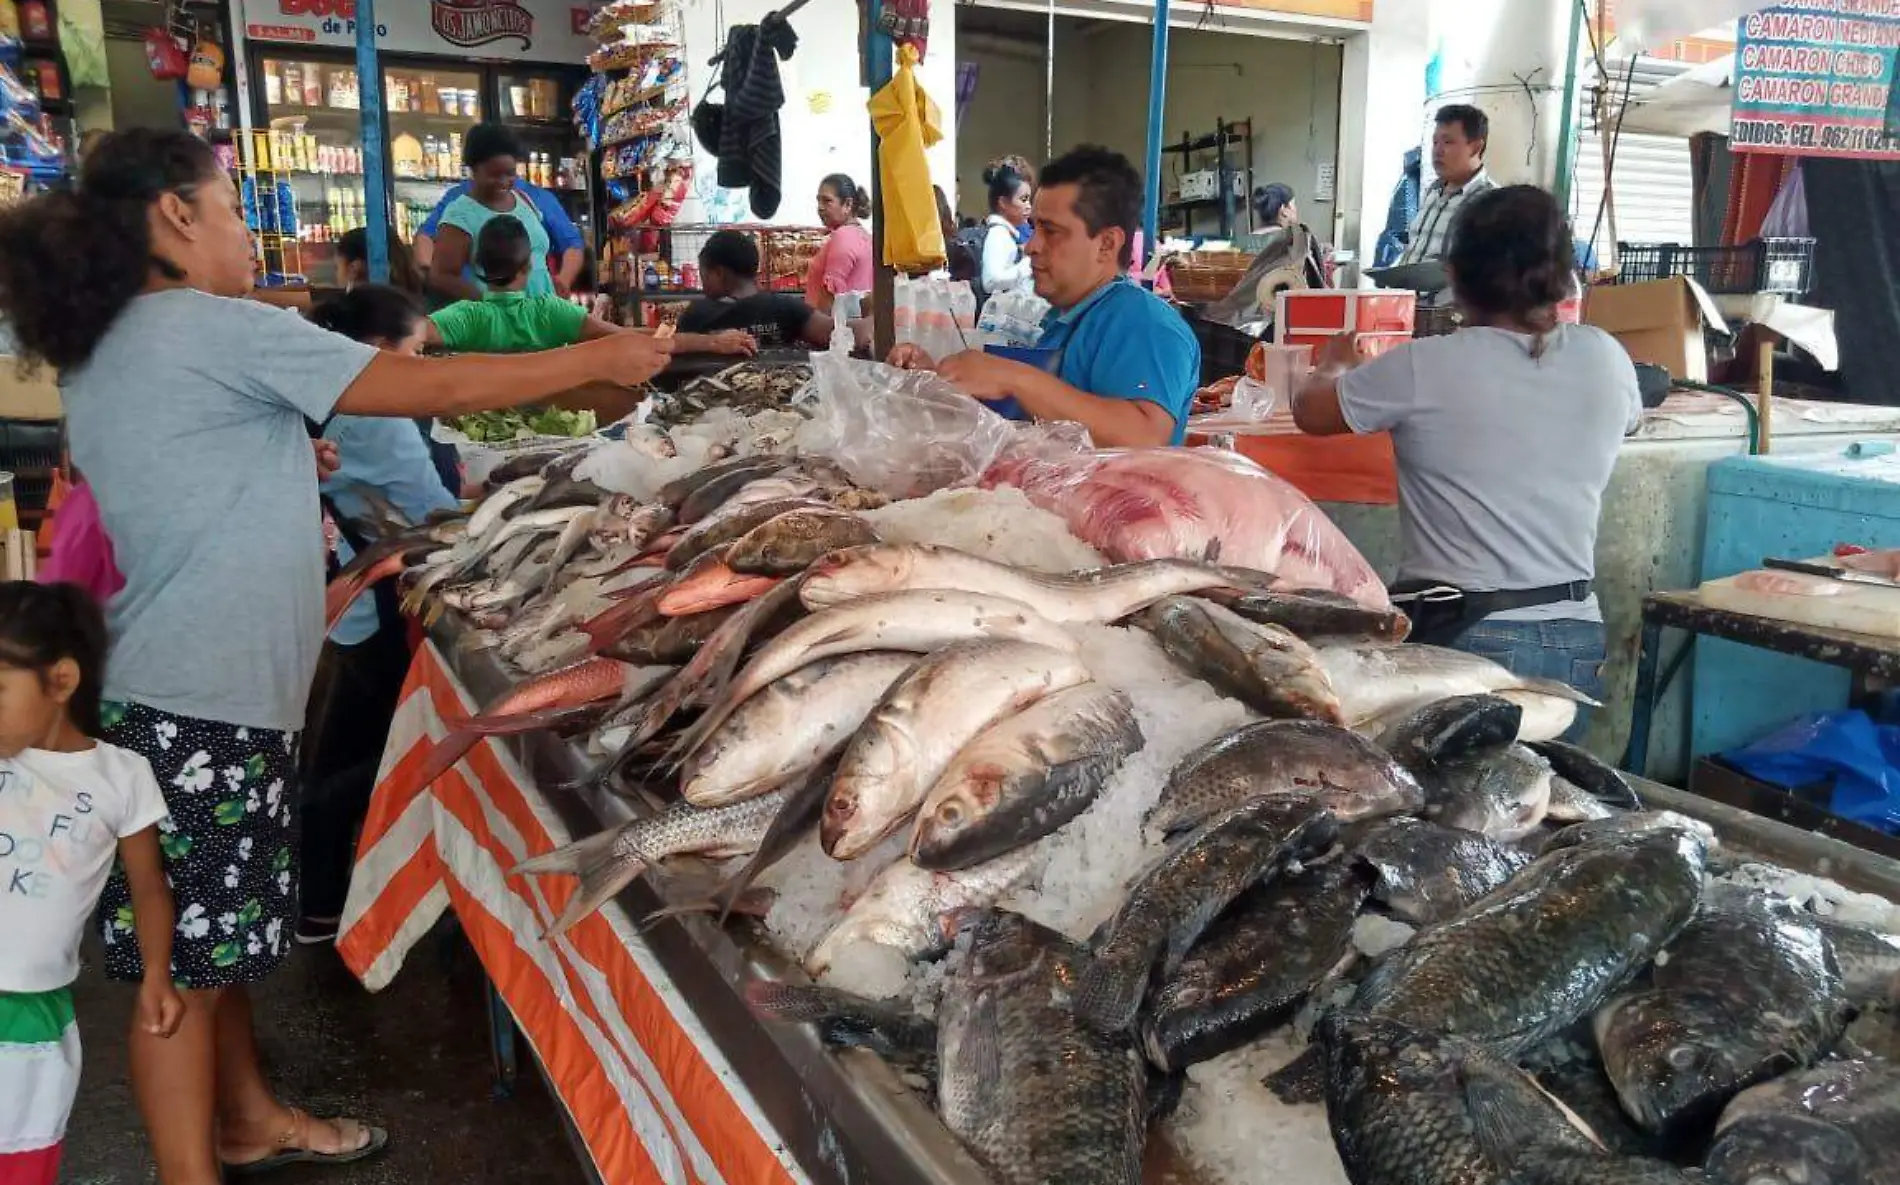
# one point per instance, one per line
(752, 903)
(602, 872)
(1506, 1120)
(1553, 688)
(1302, 1080)
(1108, 995)
(446, 752)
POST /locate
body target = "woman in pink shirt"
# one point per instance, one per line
(843, 264)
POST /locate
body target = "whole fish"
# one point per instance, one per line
(1532, 1142)
(1455, 727)
(1504, 795)
(527, 463)
(1172, 902)
(1386, 681)
(1106, 594)
(565, 490)
(1430, 873)
(1349, 775)
(590, 681)
(727, 527)
(1836, 1124)
(915, 621)
(674, 493)
(710, 584)
(1618, 828)
(1037, 1097)
(716, 493)
(1025, 777)
(1406, 1105)
(1571, 803)
(1544, 949)
(501, 503)
(1254, 965)
(906, 907)
(669, 641)
(848, 1021)
(793, 725)
(1315, 613)
(1263, 666)
(1744, 992)
(790, 542)
(1592, 774)
(933, 711)
(609, 862)
(1868, 960)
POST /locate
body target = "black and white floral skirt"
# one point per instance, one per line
(229, 847)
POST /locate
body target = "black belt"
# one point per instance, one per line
(1441, 612)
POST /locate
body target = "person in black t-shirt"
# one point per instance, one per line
(729, 271)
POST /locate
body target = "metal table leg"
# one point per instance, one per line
(1636, 758)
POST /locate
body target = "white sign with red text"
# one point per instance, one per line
(514, 30)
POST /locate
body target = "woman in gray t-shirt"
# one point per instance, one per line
(186, 406)
(1506, 433)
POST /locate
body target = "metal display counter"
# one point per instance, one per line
(646, 1038)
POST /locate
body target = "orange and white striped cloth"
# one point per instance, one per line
(651, 1095)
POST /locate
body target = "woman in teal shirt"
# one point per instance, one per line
(490, 152)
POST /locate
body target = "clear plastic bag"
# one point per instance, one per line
(934, 314)
(1012, 318)
(1198, 504)
(905, 433)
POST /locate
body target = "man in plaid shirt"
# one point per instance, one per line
(1458, 158)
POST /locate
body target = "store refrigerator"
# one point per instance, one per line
(309, 100)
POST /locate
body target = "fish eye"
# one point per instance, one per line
(950, 814)
(1683, 1057)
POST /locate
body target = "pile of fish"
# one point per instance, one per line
(1571, 998)
(746, 388)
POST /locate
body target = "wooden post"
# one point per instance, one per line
(1765, 388)
(877, 73)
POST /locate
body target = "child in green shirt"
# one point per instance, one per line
(509, 321)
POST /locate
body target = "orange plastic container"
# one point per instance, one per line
(1329, 311)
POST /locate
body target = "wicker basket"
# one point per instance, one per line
(1202, 277)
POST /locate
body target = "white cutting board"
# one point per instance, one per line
(1859, 608)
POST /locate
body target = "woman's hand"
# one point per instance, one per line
(1340, 353)
(329, 460)
(631, 357)
(734, 341)
(160, 1007)
(910, 357)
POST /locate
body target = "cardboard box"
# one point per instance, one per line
(1659, 322)
(32, 398)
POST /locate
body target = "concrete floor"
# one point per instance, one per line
(413, 1059)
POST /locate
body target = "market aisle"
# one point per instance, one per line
(414, 1059)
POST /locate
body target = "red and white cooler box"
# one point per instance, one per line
(1380, 318)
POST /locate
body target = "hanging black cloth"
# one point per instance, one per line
(1854, 206)
(743, 132)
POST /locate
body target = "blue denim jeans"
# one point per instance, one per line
(1568, 651)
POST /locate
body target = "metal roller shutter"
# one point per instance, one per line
(1655, 189)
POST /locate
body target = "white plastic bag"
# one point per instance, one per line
(934, 314)
(905, 433)
(1013, 318)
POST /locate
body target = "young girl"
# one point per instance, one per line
(68, 804)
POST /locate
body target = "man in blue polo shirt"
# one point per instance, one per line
(1117, 360)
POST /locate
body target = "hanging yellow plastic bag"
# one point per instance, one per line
(907, 122)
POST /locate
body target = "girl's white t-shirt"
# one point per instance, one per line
(61, 818)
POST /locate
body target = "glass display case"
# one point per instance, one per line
(430, 111)
(315, 145)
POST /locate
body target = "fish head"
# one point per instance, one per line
(1786, 1149)
(862, 571)
(1674, 1057)
(946, 824)
(1368, 1054)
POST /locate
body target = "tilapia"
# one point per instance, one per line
(1533, 1142)
(1430, 873)
(675, 493)
(609, 862)
(1868, 960)
(1263, 666)
(1544, 949)
(1744, 992)
(1037, 1097)
(1592, 774)
(1385, 681)
(1571, 803)
(1403, 1104)
(1836, 1124)
(845, 1020)
(1254, 965)
(932, 712)
(1621, 827)
(1025, 777)
(728, 527)
(1103, 595)
(1172, 902)
(1316, 613)
(1448, 729)
(1348, 774)
(919, 622)
(790, 542)
(793, 725)
(905, 907)
(1503, 795)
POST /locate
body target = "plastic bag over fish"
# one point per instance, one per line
(1143, 504)
(905, 433)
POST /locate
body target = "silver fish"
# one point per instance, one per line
(932, 712)
(1107, 594)
(1386, 681)
(1025, 777)
(609, 862)
(792, 726)
(1265, 667)
(905, 907)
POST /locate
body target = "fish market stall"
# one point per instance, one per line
(994, 754)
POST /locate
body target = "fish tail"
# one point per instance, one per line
(1552, 687)
(1108, 995)
(601, 870)
(448, 751)
(1302, 1080)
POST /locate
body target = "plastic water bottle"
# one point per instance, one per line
(844, 310)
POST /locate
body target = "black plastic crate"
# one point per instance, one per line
(1783, 266)
(30, 450)
(1224, 349)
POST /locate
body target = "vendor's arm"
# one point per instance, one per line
(1344, 395)
(725, 341)
(398, 385)
(1112, 421)
(445, 268)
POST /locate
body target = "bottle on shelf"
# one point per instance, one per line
(312, 85)
(292, 82)
(273, 84)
